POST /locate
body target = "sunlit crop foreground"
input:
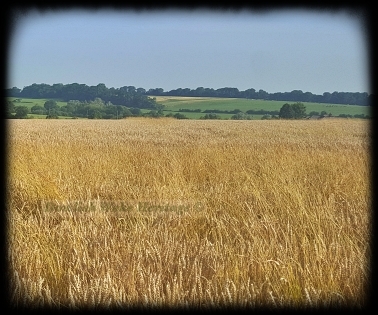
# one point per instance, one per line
(169, 213)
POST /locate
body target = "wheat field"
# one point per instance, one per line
(169, 213)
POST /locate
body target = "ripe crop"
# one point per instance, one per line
(169, 213)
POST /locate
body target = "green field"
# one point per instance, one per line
(174, 103)
(30, 102)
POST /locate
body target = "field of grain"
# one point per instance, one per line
(171, 213)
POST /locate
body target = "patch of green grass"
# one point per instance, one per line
(336, 109)
(174, 103)
(30, 102)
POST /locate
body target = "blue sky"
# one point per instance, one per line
(277, 51)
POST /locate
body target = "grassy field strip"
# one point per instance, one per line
(174, 103)
(188, 98)
(30, 102)
(173, 213)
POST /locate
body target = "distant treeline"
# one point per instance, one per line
(138, 97)
(96, 109)
(127, 95)
(351, 98)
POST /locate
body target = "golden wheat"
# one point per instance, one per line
(168, 213)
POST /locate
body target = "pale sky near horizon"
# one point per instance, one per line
(277, 51)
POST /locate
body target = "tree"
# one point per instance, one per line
(50, 104)
(314, 113)
(98, 101)
(211, 116)
(94, 113)
(299, 110)
(21, 112)
(157, 106)
(199, 91)
(261, 94)
(155, 114)
(250, 93)
(125, 112)
(136, 111)
(180, 116)
(307, 97)
(156, 92)
(227, 92)
(286, 111)
(296, 95)
(39, 110)
(326, 97)
(141, 91)
(57, 90)
(52, 115)
(9, 108)
(14, 92)
(241, 116)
